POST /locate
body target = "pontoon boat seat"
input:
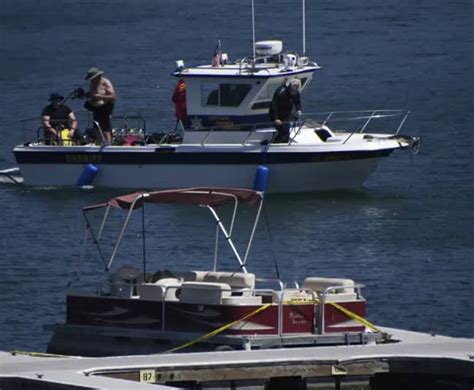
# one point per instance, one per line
(242, 283)
(242, 300)
(155, 291)
(204, 292)
(319, 285)
(124, 281)
(295, 294)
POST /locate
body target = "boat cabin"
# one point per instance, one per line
(229, 95)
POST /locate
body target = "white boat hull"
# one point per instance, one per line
(307, 171)
(284, 178)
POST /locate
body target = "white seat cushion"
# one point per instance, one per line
(154, 291)
(204, 292)
(234, 279)
(320, 284)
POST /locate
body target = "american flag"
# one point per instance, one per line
(217, 57)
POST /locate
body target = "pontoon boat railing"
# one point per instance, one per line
(320, 321)
(322, 302)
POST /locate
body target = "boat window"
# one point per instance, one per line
(268, 90)
(225, 95)
(261, 105)
(210, 95)
(265, 96)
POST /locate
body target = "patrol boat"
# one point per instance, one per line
(138, 310)
(226, 135)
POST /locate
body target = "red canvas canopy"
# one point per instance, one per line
(197, 196)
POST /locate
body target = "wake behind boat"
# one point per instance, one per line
(226, 135)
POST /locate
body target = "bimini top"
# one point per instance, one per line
(197, 196)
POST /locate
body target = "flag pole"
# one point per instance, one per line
(304, 27)
(253, 29)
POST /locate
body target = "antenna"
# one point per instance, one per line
(253, 28)
(304, 27)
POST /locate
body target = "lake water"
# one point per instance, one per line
(407, 235)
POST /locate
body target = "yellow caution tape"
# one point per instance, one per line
(215, 332)
(347, 312)
(35, 354)
(221, 329)
(356, 317)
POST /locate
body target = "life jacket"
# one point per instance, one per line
(64, 137)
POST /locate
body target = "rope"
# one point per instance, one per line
(356, 317)
(347, 312)
(35, 354)
(221, 329)
(215, 332)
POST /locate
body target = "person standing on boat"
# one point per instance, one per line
(179, 100)
(100, 100)
(59, 121)
(286, 100)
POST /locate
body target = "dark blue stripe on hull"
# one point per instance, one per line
(133, 158)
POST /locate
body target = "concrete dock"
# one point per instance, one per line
(417, 361)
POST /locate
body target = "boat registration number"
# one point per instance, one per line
(83, 158)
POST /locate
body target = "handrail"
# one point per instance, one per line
(253, 130)
(297, 131)
(322, 298)
(317, 298)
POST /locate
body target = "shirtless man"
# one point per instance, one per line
(101, 98)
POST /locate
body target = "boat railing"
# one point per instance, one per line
(346, 122)
(100, 288)
(362, 121)
(123, 126)
(239, 133)
(279, 296)
(328, 292)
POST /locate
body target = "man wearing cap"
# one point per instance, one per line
(285, 99)
(100, 100)
(57, 117)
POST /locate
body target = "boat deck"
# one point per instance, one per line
(441, 361)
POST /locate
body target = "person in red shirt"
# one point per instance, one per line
(179, 100)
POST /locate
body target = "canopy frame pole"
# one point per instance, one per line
(227, 237)
(102, 225)
(254, 228)
(143, 243)
(216, 246)
(95, 239)
(122, 231)
(234, 214)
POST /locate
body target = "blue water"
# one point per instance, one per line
(408, 235)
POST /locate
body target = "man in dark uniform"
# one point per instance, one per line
(57, 117)
(285, 100)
